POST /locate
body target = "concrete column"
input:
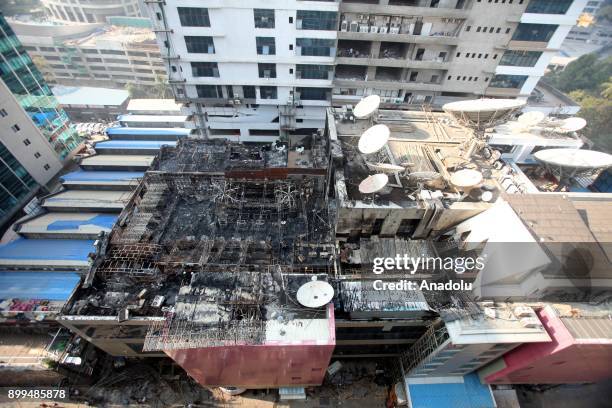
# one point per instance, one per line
(375, 49)
(371, 73)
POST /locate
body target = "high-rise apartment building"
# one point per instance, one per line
(250, 71)
(288, 59)
(93, 54)
(90, 11)
(436, 51)
(35, 136)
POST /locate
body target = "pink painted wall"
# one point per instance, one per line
(564, 360)
(260, 366)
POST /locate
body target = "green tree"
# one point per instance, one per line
(597, 111)
(161, 88)
(585, 73)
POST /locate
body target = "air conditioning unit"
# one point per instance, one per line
(354, 26)
(267, 73)
(394, 30)
(363, 28)
(383, 29)
(373, 29)
(344, 26)
(398, 100)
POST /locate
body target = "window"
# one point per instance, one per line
(314, 94)
(267, 71)
(534, 32)
(508, 81)
(97, 68)
(268, 92)
(548, 6)
(3, 113)
(15, 128)
(413, 76)
(89, 51)
(248, 92)
(37, 155)
(316, 20)
(27, 142)
(200, 44)
(116, 61)
(209, 91)
(94, 59)
(193, 16)
(264, 18)
(520, 58)
(205, 69)
(265, 45)
(46, 167)
(316, 47)
(313, 71)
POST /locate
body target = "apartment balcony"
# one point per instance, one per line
(394, 62)
(433, 38)
(503, 92)
(528, 45)
(386, 84)
(403, 10)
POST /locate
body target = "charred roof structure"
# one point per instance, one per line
(209, 253)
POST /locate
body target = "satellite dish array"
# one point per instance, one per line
(537, 121)
(372, 141)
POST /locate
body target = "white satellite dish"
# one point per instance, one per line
(531, 118)
(373, 183)
(366, 107)
(482, 113)
(570, 125)
(385, 167)
(466, 178)
(374, 139)
(574, 158)
(315, 293)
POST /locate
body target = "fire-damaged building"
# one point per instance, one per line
(205, 263)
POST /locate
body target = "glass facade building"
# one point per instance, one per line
(15, 182)
(27, 85)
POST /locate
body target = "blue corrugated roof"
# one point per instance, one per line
(37, 285)
(47, 249)
(81, 175)
(101, 220)
(134, 144)
(147, 131)
(467, 394)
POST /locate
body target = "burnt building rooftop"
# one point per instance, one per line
(218, 236)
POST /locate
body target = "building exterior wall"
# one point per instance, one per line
(106, 63)
(90, 11)
(409, 53)
(564, 360)
(224, 107)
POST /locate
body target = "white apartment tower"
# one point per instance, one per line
(256, 70)
(249, 70)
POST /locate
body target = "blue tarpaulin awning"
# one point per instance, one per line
(37, 285)
(47, 249)
(82, 175)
